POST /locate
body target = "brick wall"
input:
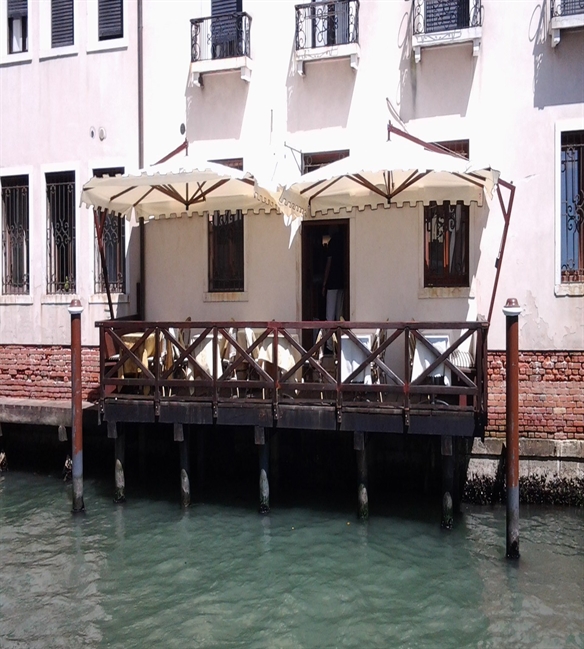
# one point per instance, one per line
(551, 390)
(44, 372)
(551, 394)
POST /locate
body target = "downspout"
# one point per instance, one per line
(142, 282)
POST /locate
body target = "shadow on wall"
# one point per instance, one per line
(322, 98)
(222, 101)
(558, 76)
(422, 91)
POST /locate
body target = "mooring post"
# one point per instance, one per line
(447, 454)
(261, 441)
(75, 310)
(120, 479)
(183, 448)
(512, 311)
(359, 444)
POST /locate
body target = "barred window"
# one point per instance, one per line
(572, 206)
(15, 242)
(226, 251)
(17, 26)
(446, 244)
(61, 232)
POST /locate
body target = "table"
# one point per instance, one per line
(351, 356)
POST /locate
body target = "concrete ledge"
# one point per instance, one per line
(43, 412)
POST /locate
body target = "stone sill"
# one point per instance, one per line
(351, 51)
(454, 37)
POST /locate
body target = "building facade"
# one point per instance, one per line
(109, 85)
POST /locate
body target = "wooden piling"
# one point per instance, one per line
(359, 444)
(75, 310)
(185, 483)
(261, 440)
(447, 454)
(120, 480)
(512, 311)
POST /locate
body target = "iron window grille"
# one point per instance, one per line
(62, 30)
(566, 7)
(60, 232)
(110, 19)
(321, 24)
(220, 37)
(226, 251)
(312, 161)
(431, 16)
(17, 26)
(446, 244)
(572, 206)
(114, 242)
(15, 236)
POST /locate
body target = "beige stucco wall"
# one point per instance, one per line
(511, 102)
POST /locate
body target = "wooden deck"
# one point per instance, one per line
(426, 378)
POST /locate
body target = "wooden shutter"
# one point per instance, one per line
(17, 8)
(62, 23)
(110, 19)
(220, 7)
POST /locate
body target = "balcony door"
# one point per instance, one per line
(226, 29)
(315, 239)
(330, 23)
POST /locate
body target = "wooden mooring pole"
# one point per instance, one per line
(75, 310)
(512, 311)
(262, 442)
(183, 448)
(447, 454)
(360, 446)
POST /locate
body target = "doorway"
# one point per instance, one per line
(315, 238)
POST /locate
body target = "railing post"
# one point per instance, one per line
(512, 311)
(75, 310)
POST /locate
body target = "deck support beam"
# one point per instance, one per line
(262, 442)
(120, 453)
(360, 446)
(447, 453)
(183, 448)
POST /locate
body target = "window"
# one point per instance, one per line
(62, 32)
(17, 26)
(234, 163)
(226, 29)
(226, 251)
(114, 243)
(312, 161)
(446, 244)
(61, 232)
(572, 206)
(15, 270)
(110, 19)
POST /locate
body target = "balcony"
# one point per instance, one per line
(219, 44)
(327, 30)
(403, 377)
(446, 22)
(565, 14)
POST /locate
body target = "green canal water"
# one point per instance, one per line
(147, 574)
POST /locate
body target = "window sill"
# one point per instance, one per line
(59, 53)
(117, 298)
(59, 298)
(19, 58)
(241, 63)
(228, 296)
(113, 45)
(557, 23)
(453, 37)
(16, 299)
(570, 289)
(445, 292)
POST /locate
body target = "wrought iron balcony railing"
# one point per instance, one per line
(220, 37)
(322, 24)
(431, 16)
(566, 8)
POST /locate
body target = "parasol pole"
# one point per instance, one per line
(99, 218)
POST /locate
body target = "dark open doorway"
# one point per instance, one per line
(315, 237)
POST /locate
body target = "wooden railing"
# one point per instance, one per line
(372, 365)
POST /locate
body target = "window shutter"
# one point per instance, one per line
(17, 8)
(220, 7)
(61, 23)
(111, 19)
